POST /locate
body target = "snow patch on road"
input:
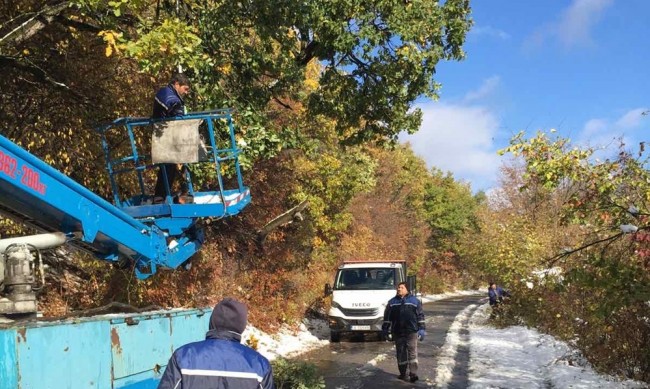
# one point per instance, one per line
(447, 356)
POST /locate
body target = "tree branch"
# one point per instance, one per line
(551, 261)
(308, 53)
(43, 76)
(35, 23)
(277, 100)
(83, 26)
(285, 218)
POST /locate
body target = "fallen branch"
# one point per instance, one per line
(34, 24)
(286, 218)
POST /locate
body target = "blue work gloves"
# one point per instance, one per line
(385, 331)
(421, 334)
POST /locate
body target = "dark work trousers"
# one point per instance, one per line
(173, 174)
(407, 353)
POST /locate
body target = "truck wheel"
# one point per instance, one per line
(335, 337)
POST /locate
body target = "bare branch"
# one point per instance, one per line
(551, 261)
(285, 218)
(35, 23)
(28, 66)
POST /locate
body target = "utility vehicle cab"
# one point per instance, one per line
(360, 293)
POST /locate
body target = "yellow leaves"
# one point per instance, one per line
(311, 85)
(403, 51)
(252, 342)
(225, 68)
(312, 75)
(25, 52)
(317, 242)
(112, 39)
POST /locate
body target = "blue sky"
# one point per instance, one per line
(581, 67)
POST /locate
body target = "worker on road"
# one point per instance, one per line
(404, 319)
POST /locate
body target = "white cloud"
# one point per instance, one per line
(574, 26)
(607, 134)
(488, 86)
(459, 139)
(577, 21)
(631, 119)
(604, 128)
(489, 31)
(594, 127)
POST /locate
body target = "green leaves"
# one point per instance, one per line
(166, 46)
(449, 205)
(378, 57)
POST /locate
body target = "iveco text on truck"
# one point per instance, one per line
(359, 295)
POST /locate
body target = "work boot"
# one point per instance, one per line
(413, 378)
(402, 376)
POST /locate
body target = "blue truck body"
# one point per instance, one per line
(104, 352)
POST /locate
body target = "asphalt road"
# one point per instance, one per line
(356, 362)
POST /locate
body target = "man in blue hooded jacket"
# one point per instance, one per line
(404, 319)
(168, 103)
(220, 361)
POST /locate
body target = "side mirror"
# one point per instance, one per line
(328, 289)
(411, 282)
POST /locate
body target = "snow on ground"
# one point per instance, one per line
(311, 334)
(520, 357)
(513, 357)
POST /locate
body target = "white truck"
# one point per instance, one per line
(360, 293)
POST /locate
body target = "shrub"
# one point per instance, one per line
(296, 375)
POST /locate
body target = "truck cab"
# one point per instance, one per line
(360, 293)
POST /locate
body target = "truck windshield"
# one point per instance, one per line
(365, 279)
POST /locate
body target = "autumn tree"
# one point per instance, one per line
(568, 233)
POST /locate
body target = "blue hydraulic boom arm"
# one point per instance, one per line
(151, 234)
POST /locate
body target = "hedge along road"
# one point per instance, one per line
(370, 363)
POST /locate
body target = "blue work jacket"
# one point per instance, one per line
(168, 103)
(404, 315)
(496, 295)
(218, 362)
